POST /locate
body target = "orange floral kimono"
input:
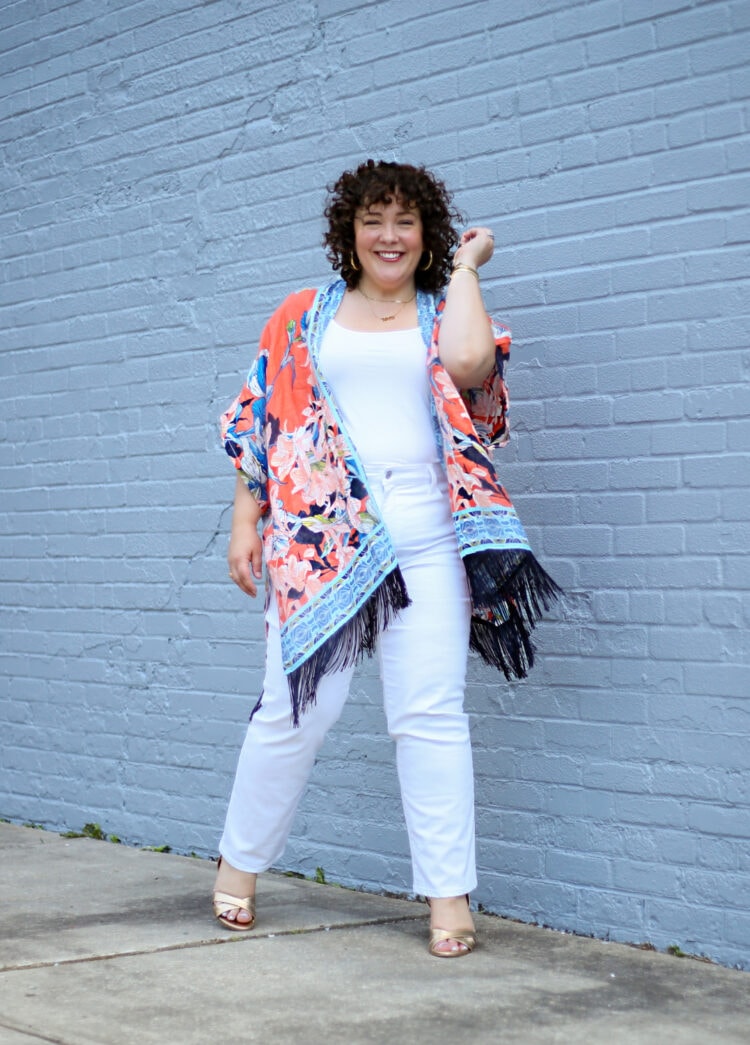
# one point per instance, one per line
(329, 558)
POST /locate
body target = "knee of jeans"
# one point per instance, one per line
(319, 719)
(441, 727)
(276, 718)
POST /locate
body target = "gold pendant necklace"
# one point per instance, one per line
(394, 301)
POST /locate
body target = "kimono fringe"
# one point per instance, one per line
(345, 647)
(509, 592)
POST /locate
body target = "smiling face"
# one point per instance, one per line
(388, 243)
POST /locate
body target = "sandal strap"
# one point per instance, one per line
(467, 937)
(224, 902)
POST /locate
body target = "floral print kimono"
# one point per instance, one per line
(329, 558)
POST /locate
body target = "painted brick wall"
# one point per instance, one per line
(163, 175)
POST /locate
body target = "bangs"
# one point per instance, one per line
(386, 190)
(386, 198)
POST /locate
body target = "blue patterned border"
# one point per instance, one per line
(339, 601)
(478, 529)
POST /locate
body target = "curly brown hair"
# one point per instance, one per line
(381, 182)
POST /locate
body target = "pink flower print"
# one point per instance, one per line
(293, 574)
(474, 483)
(313, 415)
(315, 480)
(296, 575)
(283, 456)
(445, 384)
(484, 498)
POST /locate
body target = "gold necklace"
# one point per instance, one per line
(392, 301)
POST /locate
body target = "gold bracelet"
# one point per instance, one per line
(465, 268)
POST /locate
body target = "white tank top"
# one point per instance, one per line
(380, 384)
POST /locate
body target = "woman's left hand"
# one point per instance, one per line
(476, 247)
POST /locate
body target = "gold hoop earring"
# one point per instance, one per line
(357, 268)
(423, 268)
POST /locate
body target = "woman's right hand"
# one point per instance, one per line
(245, 555)
(245, 558)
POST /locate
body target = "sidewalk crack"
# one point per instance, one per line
(218, 942)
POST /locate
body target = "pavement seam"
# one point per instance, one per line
(32, 1034)
(238, 937)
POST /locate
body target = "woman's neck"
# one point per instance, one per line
(390, 293)
(357, 311)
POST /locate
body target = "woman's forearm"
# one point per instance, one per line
(247, 510)
(245, 554)
(466, 344)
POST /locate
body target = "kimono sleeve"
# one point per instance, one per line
(488, 405)
(242, 431)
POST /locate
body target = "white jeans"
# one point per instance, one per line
(423, 668)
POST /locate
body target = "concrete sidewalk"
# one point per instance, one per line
(103, 945)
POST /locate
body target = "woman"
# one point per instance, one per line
(384, 523)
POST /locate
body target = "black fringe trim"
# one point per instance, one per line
(358, 636)
(512, 584)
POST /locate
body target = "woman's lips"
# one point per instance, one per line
(389, 255)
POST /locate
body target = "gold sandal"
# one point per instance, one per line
(465, 936)
(468, 939)
(225, 902)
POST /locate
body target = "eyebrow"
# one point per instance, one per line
(410, 211)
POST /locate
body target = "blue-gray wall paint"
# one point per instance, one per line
(163, 175)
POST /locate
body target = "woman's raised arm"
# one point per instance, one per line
(466, 343)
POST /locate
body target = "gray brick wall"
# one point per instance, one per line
(163, 176)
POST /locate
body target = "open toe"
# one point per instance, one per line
(466, 940)
(224, 903)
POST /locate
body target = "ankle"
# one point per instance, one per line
(232, 879)
(449, 909)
